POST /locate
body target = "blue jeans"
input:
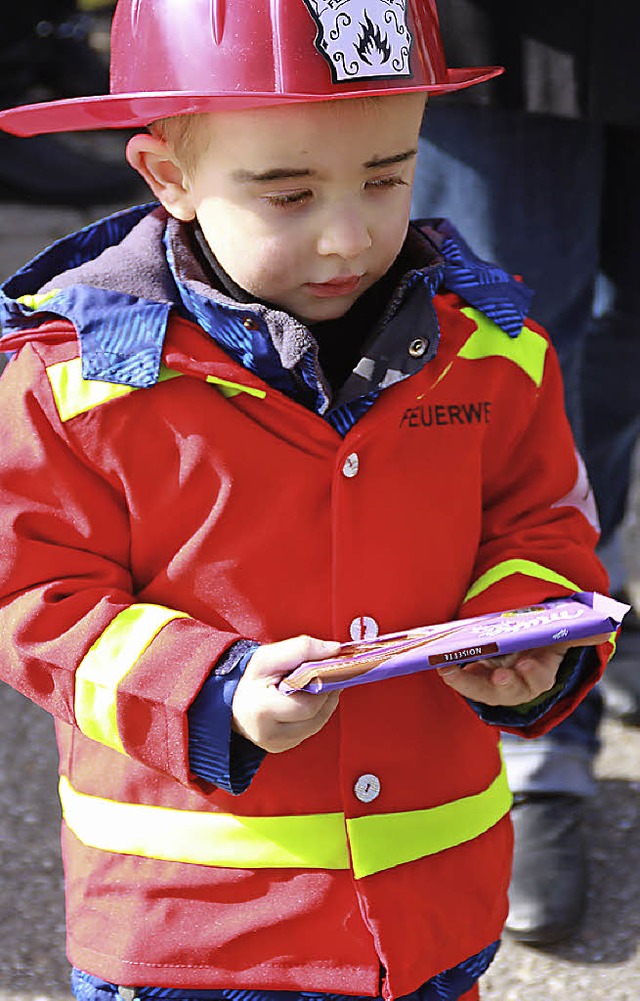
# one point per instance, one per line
(557, 202)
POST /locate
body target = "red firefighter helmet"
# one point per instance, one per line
(172, 57)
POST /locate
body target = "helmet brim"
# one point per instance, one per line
(132, 111)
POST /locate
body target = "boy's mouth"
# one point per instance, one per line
(336, 287)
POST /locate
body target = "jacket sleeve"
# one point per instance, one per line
(75, 639)
(539, 527)
(216, 753)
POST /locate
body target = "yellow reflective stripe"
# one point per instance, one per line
(74, 395)
(509, 567)
(380, 841)
(39, 300)
(528, 350)
(233, 388)
(108, 662)
(318, 841)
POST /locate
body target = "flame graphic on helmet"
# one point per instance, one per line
(363, 39)
(372, 40)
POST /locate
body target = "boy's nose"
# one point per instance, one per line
(345, 234)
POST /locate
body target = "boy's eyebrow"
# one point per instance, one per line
(274, 174)
(284, 173)
(388, 161)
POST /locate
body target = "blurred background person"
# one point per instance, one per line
(543, 166)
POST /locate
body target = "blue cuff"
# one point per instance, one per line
(574, 670)
(216, 753)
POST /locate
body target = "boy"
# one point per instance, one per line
(262, 415)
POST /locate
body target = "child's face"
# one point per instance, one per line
(307, 206)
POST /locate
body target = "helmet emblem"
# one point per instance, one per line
(363, 39)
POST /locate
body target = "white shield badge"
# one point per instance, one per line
(363, 39)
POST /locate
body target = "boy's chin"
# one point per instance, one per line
(325, 310)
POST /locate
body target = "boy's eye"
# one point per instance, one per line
(288, 198)
(382, 183)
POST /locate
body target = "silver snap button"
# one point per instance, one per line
(364, 628)
(367, 788)
(351, 466)
(418, 347)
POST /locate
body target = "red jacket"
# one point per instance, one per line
(144, 531)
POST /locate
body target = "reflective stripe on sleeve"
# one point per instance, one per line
(113, 655)
(316, 841)
(510, 567)
(528, 350)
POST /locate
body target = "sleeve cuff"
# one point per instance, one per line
(216, 753)
(576, 667)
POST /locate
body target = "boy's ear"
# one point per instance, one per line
(155, 161)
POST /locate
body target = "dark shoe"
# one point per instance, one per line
(548, 892)
(44, 171)
(620, 684)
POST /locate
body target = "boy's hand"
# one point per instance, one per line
(268, 718)
(513, 679)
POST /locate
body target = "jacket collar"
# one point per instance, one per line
(118, 280)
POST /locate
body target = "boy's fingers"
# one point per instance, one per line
(300, 707)
(512, 679)
(287, 735)
(306, 728)
(275, 660)
(506, 683)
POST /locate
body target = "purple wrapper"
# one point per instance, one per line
(461, 641)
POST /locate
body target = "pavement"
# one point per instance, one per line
(602, 963)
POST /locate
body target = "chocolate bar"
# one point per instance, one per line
(461, 641)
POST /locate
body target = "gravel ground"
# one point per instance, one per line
(602, 961)
(600, 964)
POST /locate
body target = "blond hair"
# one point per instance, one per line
(185, 135)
